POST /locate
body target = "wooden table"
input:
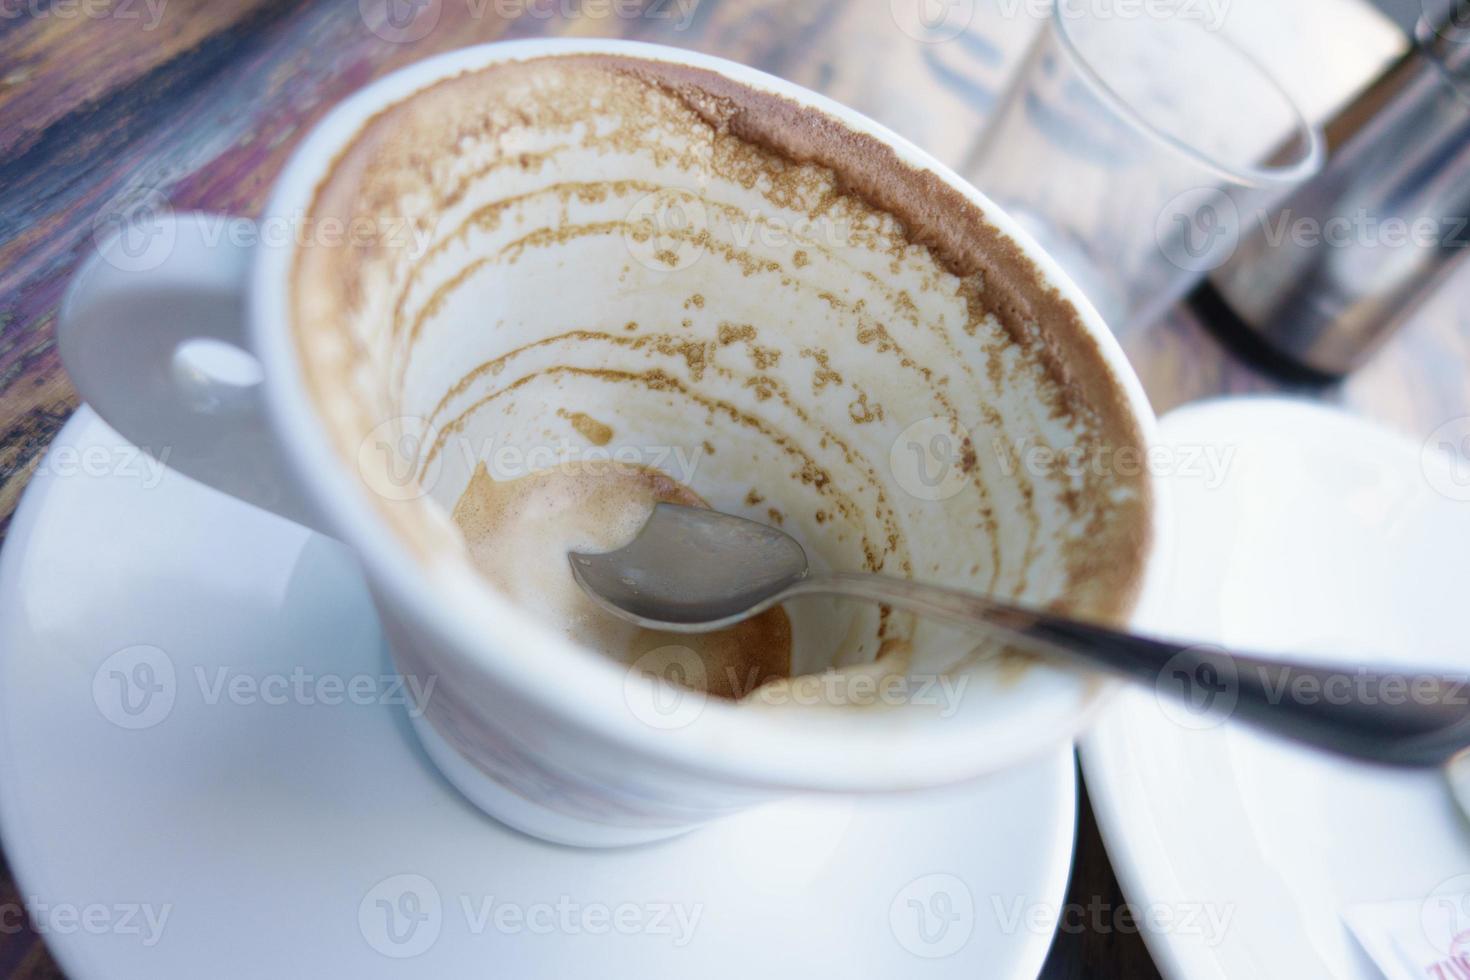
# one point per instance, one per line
(202, 102)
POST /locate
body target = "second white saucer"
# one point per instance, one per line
(1300, 530)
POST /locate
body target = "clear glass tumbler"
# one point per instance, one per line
(1133, 148)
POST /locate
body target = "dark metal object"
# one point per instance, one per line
(1325, 276)
(691, 570)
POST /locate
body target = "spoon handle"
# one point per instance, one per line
(1407, 718)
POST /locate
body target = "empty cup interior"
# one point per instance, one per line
(599, 260)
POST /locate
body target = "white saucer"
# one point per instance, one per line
(1327, 536)
(313, 839)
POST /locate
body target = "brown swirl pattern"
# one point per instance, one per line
(824, 299)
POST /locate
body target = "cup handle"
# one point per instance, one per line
(147, 291)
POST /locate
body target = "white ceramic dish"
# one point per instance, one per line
(271, 825)
(1326, 536)
(551, 737)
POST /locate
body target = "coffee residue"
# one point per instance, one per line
(595, 432)
(997, 314)
(519, 532)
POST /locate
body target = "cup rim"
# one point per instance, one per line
(729, 742)
(1309, 161)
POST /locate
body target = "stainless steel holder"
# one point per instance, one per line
(1327, 274)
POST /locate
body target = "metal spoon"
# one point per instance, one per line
(691, 570)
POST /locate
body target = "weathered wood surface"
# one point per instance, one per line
(201, 102)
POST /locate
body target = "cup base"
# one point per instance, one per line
(521, 814)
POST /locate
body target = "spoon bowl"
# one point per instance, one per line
(692, 570)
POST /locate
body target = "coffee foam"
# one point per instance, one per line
(797, 365)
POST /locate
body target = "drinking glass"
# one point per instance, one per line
(1134, 148)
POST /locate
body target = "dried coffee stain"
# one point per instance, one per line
(595, 432)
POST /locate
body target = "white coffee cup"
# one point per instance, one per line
(826, 406)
